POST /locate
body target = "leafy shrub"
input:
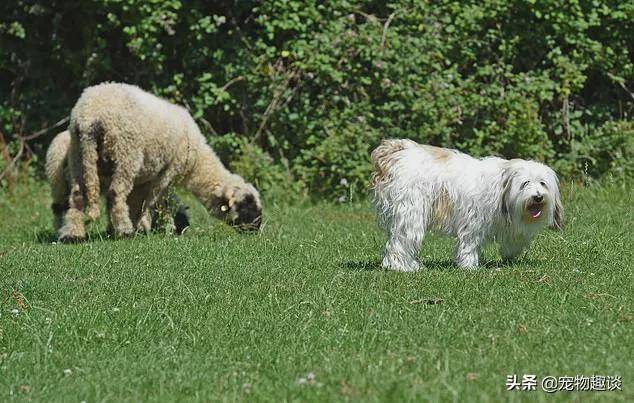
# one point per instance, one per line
(249, 160)
(607, 149)
(295, 93)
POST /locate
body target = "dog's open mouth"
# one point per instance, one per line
(535, 210)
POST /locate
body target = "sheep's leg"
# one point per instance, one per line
(73, 228)
(59, 193)
(154, 191)
(139, 211)
(118, 210)
(89, 157)
(58, 176)
(145, 222)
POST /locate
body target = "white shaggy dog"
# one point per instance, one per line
(420, 187)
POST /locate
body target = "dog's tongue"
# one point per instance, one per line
(535, 211)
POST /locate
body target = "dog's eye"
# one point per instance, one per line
(523, 185)
(543, 183)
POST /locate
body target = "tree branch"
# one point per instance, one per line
(9, 167)
(385, 27)
(270, 109)
(45, 130)
(621, 83)
(231, 82)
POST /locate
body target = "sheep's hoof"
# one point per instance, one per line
(69, 234)
(144, 225)
(128, 233)
(71, 239)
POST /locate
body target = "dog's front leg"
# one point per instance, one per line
(510, 249)
(468, 248)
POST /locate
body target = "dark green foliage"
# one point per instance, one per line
(294, 94)
(170, 214)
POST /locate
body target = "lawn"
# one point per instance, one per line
(302, 311)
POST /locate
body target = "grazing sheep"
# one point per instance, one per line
(142, 144)
(169, 209)
(57, 174)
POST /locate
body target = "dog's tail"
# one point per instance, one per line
(386, 192)
(384, 157)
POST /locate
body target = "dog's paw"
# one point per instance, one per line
(409, 267)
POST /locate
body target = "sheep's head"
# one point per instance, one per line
(238, 205)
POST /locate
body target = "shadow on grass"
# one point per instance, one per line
(441, 264)
(506, 264)
(361, 265)
(49, 236)
(368, 265)
(46, 236)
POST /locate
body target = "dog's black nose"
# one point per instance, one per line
(538, 198)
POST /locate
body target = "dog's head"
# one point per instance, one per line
(530, 194)
(238, 204)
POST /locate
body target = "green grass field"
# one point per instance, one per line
(302, 311)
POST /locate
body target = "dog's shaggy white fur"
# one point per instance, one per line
(143, 144)
(419, 187)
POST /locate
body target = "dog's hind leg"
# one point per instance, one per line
(406, 225)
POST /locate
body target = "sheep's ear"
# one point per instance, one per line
(558, 214)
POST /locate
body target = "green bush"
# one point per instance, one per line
(607, 149)
(294, 94)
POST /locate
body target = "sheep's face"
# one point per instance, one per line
(240, 207)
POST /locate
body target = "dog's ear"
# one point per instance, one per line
(505, 202)
(558, 214)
